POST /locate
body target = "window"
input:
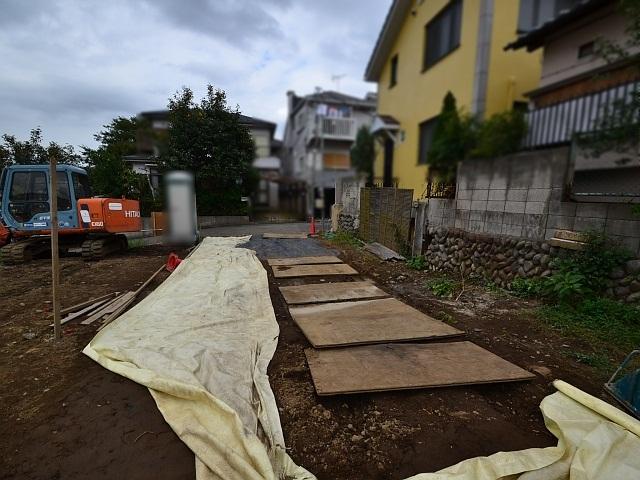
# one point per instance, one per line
(28, 195)
(29, 187)
(64, 194)
(427, 130)
(394, 71)
(442, 34)
(534, 13)
(586, 50)
(81, 186)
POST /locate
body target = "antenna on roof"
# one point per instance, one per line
(336, 79)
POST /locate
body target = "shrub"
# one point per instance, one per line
(526, 287)
(500, 134)
(442, 287)
(417, 263)
(565, 285)
(452, 138)
(586, 272)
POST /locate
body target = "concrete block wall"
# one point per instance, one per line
(523, 196)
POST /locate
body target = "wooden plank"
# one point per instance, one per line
(107, 308)
(119, 311)
(285, 235)
(285, 271)
(367, 322)
(375, 368)
(82, 312)
(331, 292)
(303, 260)
(86, 303)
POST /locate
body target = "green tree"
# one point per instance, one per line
(207, 139)
(33, 151)
(452, 140)
(110, 175)
(363, 153)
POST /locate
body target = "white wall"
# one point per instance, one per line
(561, 60)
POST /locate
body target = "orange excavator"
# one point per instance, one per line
(93, 225)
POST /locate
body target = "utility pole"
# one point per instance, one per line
(55, 258)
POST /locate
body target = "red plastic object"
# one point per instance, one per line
(312, 226)
(173, 261)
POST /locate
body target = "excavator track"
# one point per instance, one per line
(23, 251)
(98, 248)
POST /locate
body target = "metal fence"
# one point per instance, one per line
(556, 124)
(385, 216)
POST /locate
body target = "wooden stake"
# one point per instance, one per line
(55, 259)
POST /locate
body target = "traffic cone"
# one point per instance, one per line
(312, 226)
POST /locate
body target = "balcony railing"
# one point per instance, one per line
(335, 129)
(556, 124)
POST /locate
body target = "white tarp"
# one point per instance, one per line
(202, 341)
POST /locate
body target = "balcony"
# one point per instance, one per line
(334, 129)
(558, 123)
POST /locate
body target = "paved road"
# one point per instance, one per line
(265, 248)
(274, 247)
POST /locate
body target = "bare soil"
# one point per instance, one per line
(64, 416)
(61, 414)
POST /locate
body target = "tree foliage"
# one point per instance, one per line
(33, 151)
(207, 139)
(500, 134)
(363, 153)
(451, 139)
(110, 175)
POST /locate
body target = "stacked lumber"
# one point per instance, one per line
(107, 307)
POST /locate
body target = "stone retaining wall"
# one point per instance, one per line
(503, 259)
(348, 223)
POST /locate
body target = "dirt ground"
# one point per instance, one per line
(64, 416)
(61, 414)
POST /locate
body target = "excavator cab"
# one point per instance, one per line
(94, 225)
(25, 196)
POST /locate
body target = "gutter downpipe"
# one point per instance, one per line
(483, 56)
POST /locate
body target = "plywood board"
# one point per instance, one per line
(330, 292)
(374, 368)
(367, 322)
(304, 260)
(288, 271)
(285, 235)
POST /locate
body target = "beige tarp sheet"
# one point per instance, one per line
(201, 343)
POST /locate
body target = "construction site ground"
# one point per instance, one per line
(64, 416)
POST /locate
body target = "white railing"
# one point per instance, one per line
(338, 127)
(557, 123)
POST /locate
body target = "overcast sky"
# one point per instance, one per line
(71, 66)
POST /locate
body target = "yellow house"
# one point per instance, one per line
(429, 47)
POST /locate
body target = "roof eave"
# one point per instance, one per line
(392, 24)
(537, 38)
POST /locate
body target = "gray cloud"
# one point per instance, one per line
(234, 21)
(70, 66)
